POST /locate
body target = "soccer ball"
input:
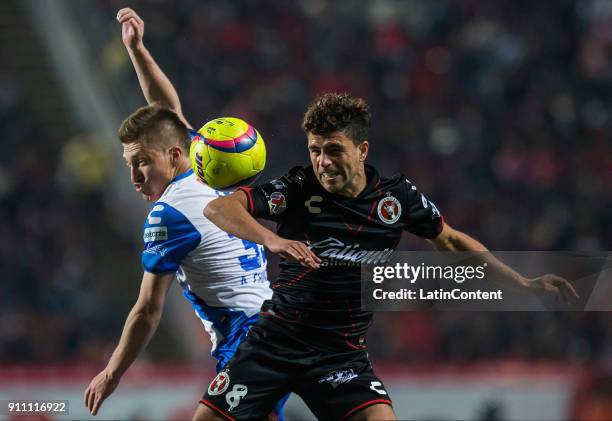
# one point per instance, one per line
(227, 151)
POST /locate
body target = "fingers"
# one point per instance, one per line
(123, 14)
(93, 401)
(311, 259)
(89, 398)
(128, 15)
(569, 294)
(302, 254)
(132, 22)
(307, 253)
(296, 251)
(565, 288)
(86, 397)
(96, 405)
(125, 27)
(572, 290)
(299, 255)
(132, 28)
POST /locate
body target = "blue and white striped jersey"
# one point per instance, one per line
(222, 276)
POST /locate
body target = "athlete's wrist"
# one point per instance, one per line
(112, 374)
(269, 240)
(525, 282)
(138, 49)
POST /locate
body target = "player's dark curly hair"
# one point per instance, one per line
(333, 112)
(155, 125)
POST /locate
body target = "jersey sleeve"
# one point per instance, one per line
(422, 217)
(168, 237)
(273, 200)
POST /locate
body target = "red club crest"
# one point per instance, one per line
(219, 384)
(389, 209)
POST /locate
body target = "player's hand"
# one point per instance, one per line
(132, 28)
(556, 285)
(98, 390)
(295, 251)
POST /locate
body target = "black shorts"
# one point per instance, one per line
(269, 364)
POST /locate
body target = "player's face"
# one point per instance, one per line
(151, 169)
(338, 163)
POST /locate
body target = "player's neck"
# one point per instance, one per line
(357, 185)
(182, 168)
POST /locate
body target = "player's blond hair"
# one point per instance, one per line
(155, 125)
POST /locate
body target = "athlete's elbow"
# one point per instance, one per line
(147, 315)
(213, 209)
(153, 319)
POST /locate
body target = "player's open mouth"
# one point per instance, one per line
(329, 175)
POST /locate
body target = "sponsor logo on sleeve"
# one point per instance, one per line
(155, 234)
(277, 203)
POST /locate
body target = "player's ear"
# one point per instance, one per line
(363, 147)
(175, 153)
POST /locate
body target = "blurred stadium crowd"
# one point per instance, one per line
(57, 299)
(499, 111)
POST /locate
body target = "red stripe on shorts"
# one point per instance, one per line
(364, 405)
(217, 410)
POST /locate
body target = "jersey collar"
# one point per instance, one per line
(372, 179)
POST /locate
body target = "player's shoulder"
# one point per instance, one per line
(296, 179)
(400, 186)
(181, 203)
(166, 222)
(300, 174)
(396, 181)
(164, 213)
(188, 195)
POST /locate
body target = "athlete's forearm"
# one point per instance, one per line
(459, 241)
(154, 83)
(229, 214)
(504, 272)
(137, 332)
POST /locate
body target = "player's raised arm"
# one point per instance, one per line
(451, 239)
(139, 327)
(230, 213)
(155, 85)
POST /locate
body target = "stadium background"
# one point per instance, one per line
(498, 110)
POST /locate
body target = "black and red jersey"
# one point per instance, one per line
(323, 306)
